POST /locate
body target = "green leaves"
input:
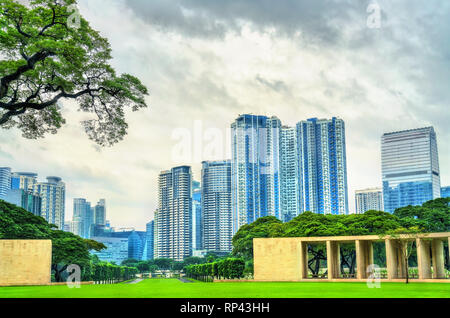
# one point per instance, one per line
(45, 60)
(432, 216)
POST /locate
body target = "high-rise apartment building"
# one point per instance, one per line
(322, 166)
(263, 169)
(369, 199)
(82, 219)
(100, 213)
(216, 206)
(290, 205)
(5, 181)
(197, 219)
(410, 168)
(174, 217)
(53, 195)
(249, 175)
(445, 192)
(150, 241)
(24, 180)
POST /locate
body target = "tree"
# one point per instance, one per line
(404, 239)
(46, 59)
(164, 263)
(268, 226)
(67, 248)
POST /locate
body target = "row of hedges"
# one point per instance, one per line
(228, 268)
(106, 273)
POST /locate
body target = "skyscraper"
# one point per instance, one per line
(369, 199)
(410, 168)
(322, 166)
(216, 206)
(5, 181)
(53, 194)
(24, 180)
(174, 217)
(197, 219)
(150, 240)
(445, 192)
(100, 213)
(290, 205)
(248, 169)
(82, 219)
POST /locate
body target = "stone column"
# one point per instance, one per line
(437, 252)
(423, 258)
(333, 260)
(303, 260)
(364, 257)
(391, 259)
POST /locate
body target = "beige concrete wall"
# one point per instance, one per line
(285, 259)
(25, 262)
(277, 259)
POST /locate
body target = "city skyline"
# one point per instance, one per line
(289, 68)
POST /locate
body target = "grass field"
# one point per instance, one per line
(172, 288)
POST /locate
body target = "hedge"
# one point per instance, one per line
(106, 273)
(229, 268)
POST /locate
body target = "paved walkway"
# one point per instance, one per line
(184, 280)
(135, 281)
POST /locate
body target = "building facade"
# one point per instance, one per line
(53, 195)
(216, 206)
(410, 168)
(248, 169)
(24, 180)
(445, 192)
(116, 249)
(174, 217)
(150, 241)
(5, 181)
(82, 219)
(290, 204)
(100, 213)
(322, 166)
(24, 199)
(197, 219)
(369, 199)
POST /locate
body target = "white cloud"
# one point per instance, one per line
(274, 63)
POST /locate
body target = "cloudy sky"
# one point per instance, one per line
(205, 62)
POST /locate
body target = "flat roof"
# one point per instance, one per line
(442, 235)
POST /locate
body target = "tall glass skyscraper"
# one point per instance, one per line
(197, 218)
(410, 168)
(445, 192)
(100, 213)
(24, 180)
(216, 206)
(53, 194)
(322, 166)
(290, 205)
(5, 181)
(150, 241)
(263, 170)
(174, 217)
(249, 173)
(82, 219)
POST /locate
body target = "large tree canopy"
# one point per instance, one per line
(67, 248)
(432, 216)
(45, 58)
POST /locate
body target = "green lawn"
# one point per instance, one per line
(172, 288)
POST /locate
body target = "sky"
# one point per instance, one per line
(205, 62)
